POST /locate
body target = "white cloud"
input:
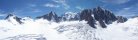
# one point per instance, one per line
(32, 5)
(115, 1)
(62, 2)
(51, 5)
(125, 12)
(36, 10)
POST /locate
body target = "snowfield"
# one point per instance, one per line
(41, 29)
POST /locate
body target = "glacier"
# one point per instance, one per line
(42, 29)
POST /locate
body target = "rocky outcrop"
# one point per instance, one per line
(104, 15)
(98, 14)
(50, 17)
(9, 15)
(86, 15)
(14, 17)
(121, 19)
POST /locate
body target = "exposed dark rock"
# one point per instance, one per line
(9, 15)
(103, 16)
(102, 24)
(121, 19)
(16, 18)
(50, 17)
(86, 15)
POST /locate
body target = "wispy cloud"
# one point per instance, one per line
(32, 5)
(129, 11)
(51, 5)
(2, 13)
(125, 12)
(115, 1)
(36, 10)
(80, 8)
(62, 2)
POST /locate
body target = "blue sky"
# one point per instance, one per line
(35, 8)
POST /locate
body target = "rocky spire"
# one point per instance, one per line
(86, 15)
(52, 16)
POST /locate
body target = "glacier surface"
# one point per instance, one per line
(41, 29)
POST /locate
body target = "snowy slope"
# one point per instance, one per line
(69, 15)
(67, 30)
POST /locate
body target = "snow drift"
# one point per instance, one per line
(42, 29)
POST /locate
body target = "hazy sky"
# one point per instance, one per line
(35, 8)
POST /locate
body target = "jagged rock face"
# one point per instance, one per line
(16, 18)
(50, 17)
(86, 15)
(121, 19)
(9, 15)
(102, 16)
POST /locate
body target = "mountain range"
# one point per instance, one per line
(98, 14)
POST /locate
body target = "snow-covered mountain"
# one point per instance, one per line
(89, 24)
(103, 16)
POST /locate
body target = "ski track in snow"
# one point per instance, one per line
(70, 30)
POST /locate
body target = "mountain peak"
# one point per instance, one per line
(52, 16)
(97, 14)
(9, 15)
(98, 8)
(52, 13)
(12, 17)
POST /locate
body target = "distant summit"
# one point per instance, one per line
(52, 16)
(9, 15)
(10, 18)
